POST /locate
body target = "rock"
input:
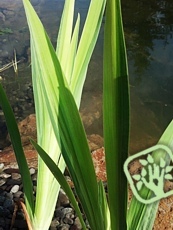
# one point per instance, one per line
(64, 227)
(67, 220)
(98, 157)
(134, 167)
(8, 204)
(95, 141)
(1, 167)
(15, 176)
(4, 175)
(59, 213)
(32, 171)
(63, 199)
(67, 210)
(27, 129)
(8, 158)
(18, 194)
(14, 189)
(9, 195)
(2, 182)
(77, 224)
(54, 224)
(13, 182)
(70, 215)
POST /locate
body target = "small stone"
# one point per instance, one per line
(34, 178)
(59, 213)
(15, 189)
(15, 176)
(64, 227)
(77, 223)
(11, 170)
(70, 215)
(54, 224)
(63, 199)
(2, 182)
(8, 204)
(18, 194)
(5, 175)
(13, 182)
(9, 195)
(67, 210)
(1, 165)
(67, 220)
(32, 171)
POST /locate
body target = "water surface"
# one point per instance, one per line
(148, 32)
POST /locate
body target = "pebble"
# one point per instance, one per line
(14, 189)
(32, 171)
(2, 182)
(15, 176)
(8, 204)
(64, 215)
(18, 194)
(68, 220)
(59, 213)
(13, 182)
(77, 223)
(4, 175)
(67, 210)
(1, 167)
(64, 200)
(54, 224)
(64, 227)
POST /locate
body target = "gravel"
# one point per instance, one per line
(11, 191)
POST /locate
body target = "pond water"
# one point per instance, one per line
(148, 29)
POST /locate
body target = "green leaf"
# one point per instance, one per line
(104, 206)
(20, 156)
(60, 178)
(48, 77)
(65, 52)
(76, 153)
(115, 113)
(45, 69)
(86, 46)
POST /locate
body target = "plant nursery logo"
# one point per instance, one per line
(148, 185)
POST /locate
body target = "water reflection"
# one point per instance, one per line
(146, 22)
(148, 32)
(148, 29)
